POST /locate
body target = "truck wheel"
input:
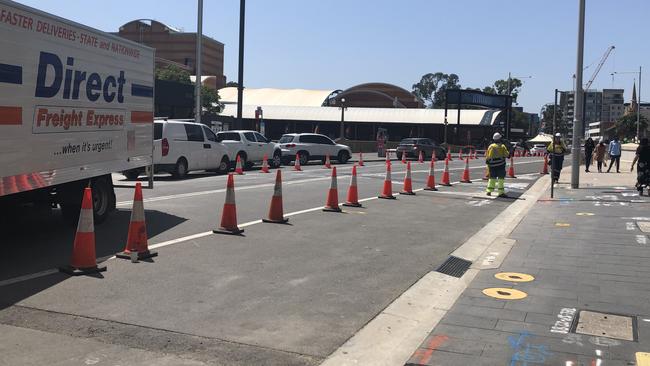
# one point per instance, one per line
(277, 159)
(224, 166)
(132, 174)
(103, 199)
(343, 157)
(180, 170)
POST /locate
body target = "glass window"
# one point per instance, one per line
(209, 134)
(157, 131)
(230, 136)
(324, 140)
(261, 138)
(309, 139)
(249, 136)
(194, 132)
(285, 139)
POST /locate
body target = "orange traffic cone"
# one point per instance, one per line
(466, 178)
(353, 193)
(387, 158)
(511, 169)
(408, 184)
(360, 158)
(328, 163)
(296, 163)
(420, 158)
(545, 167)
(448, 156)
(276, 212)
(229, 213)
(403, 158)
(460, 154)
(265, 164)
(238, 168)
(387, 191)
(332, 203)
(431, 180)
(84, 260)
(136, 241)
(445, 175)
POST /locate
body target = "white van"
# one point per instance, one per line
(181, 147)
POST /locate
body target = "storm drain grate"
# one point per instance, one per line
(454, 266)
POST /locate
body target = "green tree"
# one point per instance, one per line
(626, 126)
(547, 120)
(233, 84)
(173, 73)
(501, 87)
(489, 89)
(431, 88)
(210, 101)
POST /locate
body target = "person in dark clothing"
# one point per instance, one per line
(589, 150)
(643, 168)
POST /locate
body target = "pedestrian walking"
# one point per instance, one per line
(589, 150)
(599, 155)
(495, 158)
(614, 154)
(642, 159)
(556, 150)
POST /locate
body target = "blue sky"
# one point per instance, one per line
(339, 43)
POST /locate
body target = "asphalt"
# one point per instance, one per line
(279, 294)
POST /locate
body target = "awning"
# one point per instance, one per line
(542, 138)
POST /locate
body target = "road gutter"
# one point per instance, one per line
(395, 333)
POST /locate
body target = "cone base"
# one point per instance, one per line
(72, 271)
(466, 181)
(446, 184)
(264, 171)
(542, 173)
(387, 197)
(283, 221)
(430, 189)
(407, 193)
(332, 209)
(235, 231)
(485, 178)
(141, 255)
(352, 204)
(512, 176)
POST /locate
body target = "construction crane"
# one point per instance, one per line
(600, 65)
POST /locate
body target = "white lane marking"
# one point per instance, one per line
(28, 277)
(266, 185)
(641, 239)
(630, 226)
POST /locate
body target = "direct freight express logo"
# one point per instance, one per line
(48, 119)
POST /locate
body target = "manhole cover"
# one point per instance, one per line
(644, 226)
(605, 325)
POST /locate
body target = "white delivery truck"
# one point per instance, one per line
(76, 104)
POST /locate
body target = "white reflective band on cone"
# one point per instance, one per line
(138, 211)
(230, 196)
(334, 183)
(353, 180)
(277, 191)
(86, 223)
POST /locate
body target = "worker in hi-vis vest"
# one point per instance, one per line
(495, 158)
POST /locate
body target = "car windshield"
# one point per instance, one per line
(285, 139)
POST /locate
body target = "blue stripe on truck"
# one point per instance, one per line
(11, 74)
(138, 90)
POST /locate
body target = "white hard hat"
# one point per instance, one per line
(496, 136)
(558, 135)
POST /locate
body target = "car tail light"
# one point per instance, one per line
(290, 145)
(165, 147)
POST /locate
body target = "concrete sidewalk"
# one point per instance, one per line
(573, 290)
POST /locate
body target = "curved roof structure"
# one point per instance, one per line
(276, 97)
(378, 95)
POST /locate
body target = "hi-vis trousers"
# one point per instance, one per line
(497, 176)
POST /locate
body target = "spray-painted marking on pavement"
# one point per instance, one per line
(525, 352)
(423, 356)
(565, 319)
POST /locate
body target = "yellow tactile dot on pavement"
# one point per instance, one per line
(585, 213)
(504, 293)
(642, 359)
(514, 277)
(562, 224)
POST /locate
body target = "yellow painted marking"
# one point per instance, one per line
(562, 224)
(642, 359)
(504, 293)
(585, 213)
(514, 277)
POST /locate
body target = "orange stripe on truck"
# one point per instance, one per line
(141, 117)
(11, 115)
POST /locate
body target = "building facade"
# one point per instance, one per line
(593, 104)
(177, 48)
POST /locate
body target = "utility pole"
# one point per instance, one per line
(240, 76)
(638, 112)
(577, 119)
(554, 112)
(197, 82)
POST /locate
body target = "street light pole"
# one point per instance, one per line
(197, 81)
(638, 112)
(577, 119)
(342, 127)
(240, 75)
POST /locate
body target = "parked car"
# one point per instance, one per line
(538, 148)
(312, 146)
(181, 147)
(251, 146)
(413, 146)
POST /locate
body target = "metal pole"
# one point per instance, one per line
(507, 132)
(445, 138)
(240, 76)
(342, 127)
(197, 83)
(638, 112)
(578, 118)
(554, 111)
